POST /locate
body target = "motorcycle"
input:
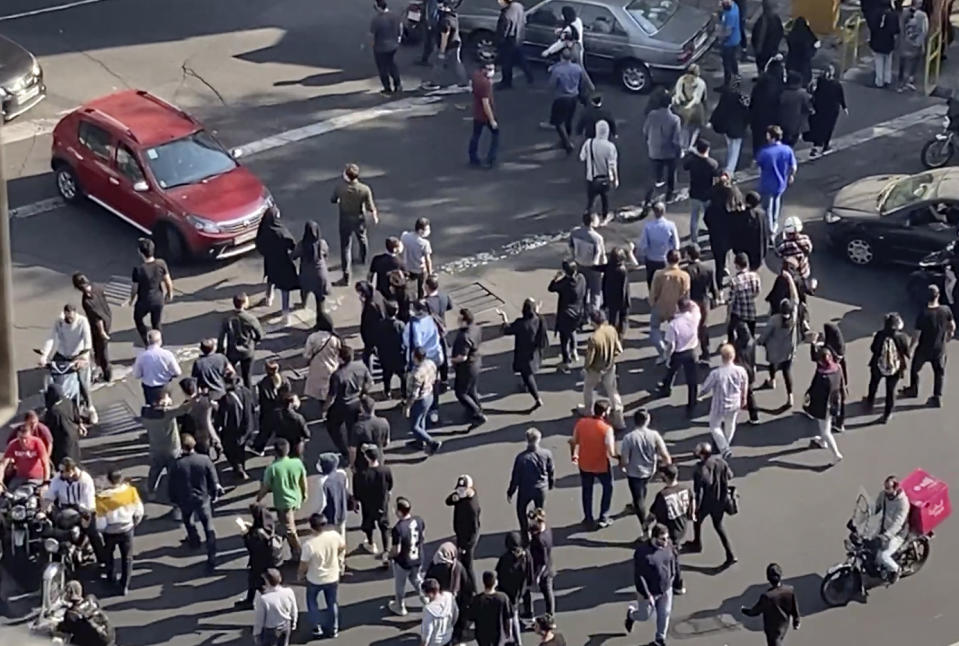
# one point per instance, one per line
(938, 151)
(938, 268)
(23, 520)
(64, 372)
(848, 579)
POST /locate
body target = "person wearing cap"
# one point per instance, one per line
(274, 611)
(84, 622)
(776, 606)
(466, 522)
(594, 113)
(95, 306)
(371, 488)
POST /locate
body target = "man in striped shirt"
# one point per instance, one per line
(743, 290)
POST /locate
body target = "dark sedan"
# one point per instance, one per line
(895, 218)
(21, 80)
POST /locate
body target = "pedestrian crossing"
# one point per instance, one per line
(117, 290)
(116, 418)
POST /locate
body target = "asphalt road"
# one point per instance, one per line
(259, 70)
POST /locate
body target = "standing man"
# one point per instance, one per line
(702, 292)
(239, 334)
(465, 357)
(589, 253)
(429, 22)
(348, 384)
(210, 370)
(668, 286)
(662, 130)
(655, 569)
(371, 488)
(152, 287)
(777, 170)
(285, 478)
(743, 289)
(386, 29)
(417, 253)
(565, 79)
(194, 488)
(934, 327)
(450, 49)
(466, 522)
(119, 511)
(155, 367)
(656, 240)
(672, 508)
(510, 34)
(703, 171)
(356, 201)
(483, 116)
(711, 477)
(96, 308)
(776, 606)
(640, 454)
(409, 535)
(531, 478)
(71, 340)
(599, 366)
(274, 611)
(591, 448)
(728, 384)
(732, 36)
(383, 263)
(914, 30)
(491, 613)
(682, 348)
(159, 418)
(320, 568)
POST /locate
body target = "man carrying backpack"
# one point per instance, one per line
(890, 353)
(84, 622)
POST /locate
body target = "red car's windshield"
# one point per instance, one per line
(188, 160)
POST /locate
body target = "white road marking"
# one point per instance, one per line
(59, 7)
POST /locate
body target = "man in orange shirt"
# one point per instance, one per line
(592, 447)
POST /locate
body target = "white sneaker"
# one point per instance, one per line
(287, 320)
(399, 610)
(368, 547)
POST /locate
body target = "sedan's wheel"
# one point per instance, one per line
(859, 251)
(634, 77)
(68, 186)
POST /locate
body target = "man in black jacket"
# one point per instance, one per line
(234, 421)
(291, 426)
(702, 291)
(654, 573)
(239, 334)
(711, 478)
(348, 384)
(193, 488)
(703, 171)
(466, 522)
(465, 357)
(777, 606)
(594, 113)
(371, 488)
(532, 476)
(369, 430)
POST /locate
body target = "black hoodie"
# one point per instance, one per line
(466, 519)
(514, 569)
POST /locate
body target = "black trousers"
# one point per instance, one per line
(254, 582)
(567, 344)
(891, 382)
(545, 583)
(637, 492)
(388, 374)
(323, 320)
(561, 116)
(652, 266)
(523, 499)
(101, 356)
(529, 380)
(716, 515)
(388, 71)
(734, 320)
(347, 233)
(618, 317)
(339, 420)
(592, 192)
(419, 279)
(687, 361)
(786, 368)
(776, 638)
(245, 366)
(465, 384)
(938, 371)
(375, 518)
(510, 54)
(429, 39)
(467, 551)
(140, 311)
(703, 330)
(664, 170)
(124, 542)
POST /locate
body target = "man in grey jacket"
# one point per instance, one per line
(662, 131)
(893, 507)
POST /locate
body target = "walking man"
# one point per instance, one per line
(465, 357)
(348, 384)
(320, 568)
(703, 171)
(119, 511)
(682, 348)
(483, 116)
(702, 292)
(591, 448)
(641, 453)
(417, 253)
(732, 37)
(777, 170)
(371, 488)
(776, 606)
(672, 508)
(656, 240)
(655, 569)
(662, 129)
(935, 326)
(599, 366)
(711, 477)
(152, 287)
(728, 385)
(285, 478)
(589, 253)
(531, 478)
(409, 534)
(667, 287)
(491, 613)
(356, 202)
(510, 34)
(96, 308)
(194, 488)
(466, 522)
(274, 611)
(155, 367)
(386, 30)
(743, 289)
(239, 334)
(565, 79)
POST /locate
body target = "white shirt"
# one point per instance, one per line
(416, 249)
(156, 366)
(274, 608)
(728, 384)
(682, 333)
(81, 493)
(69, 339)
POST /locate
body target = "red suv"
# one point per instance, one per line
(155, 167)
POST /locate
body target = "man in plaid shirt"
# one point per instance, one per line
(743, 290)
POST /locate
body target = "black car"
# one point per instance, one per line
(895, 218)
(21, 80)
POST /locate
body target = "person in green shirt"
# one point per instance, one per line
(286, 480)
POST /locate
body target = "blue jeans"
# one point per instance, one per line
(696, 209)
(332, 611)
(474, 142)
(586, 480)
(772, 202)
(656, 333)
(419, 413)
(733, 148)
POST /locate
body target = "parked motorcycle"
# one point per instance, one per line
(938, 151)
(938, 268)
(847, 580)
(23, 520)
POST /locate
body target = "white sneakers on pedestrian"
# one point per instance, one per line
(397, 609)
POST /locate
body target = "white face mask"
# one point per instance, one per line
(426, 232)
(490, 73)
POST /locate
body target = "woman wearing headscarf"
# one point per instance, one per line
(269, 396)
(275, 243)
(795, 106)
(747, 231)
(616, 290)
(889, 355)
(832, 339)
(828, 99)
(730, 119)
(530, 335)
(602, 169)
(453, 578)
(802, 44)
(726, 201)
(62, 417)
(745, 346)
(514, 571)
(689, 102)
(783, 289)
(767, 34)
(260, 540)
(312, 251)
(570, 35)
(822, 398)
(764, 101)
(779, 339)
(399, 292)
(371, 316)
(570, 288)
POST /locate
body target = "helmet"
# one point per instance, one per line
(792, 225)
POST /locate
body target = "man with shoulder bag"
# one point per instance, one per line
(602, 173)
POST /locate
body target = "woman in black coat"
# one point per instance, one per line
(258, 539)
(795, 107)
(371, 316)
(726, 200)
(832, 339)
(62, 417)
(828, 99)
(275, 243)
(764, 101)
(731, 119)
(529, 331)
(747, 231)
(767, 34)
(802, 44)
(570, 288)
(312, 251)
(616, 290)
(823, 397)
(269, 394)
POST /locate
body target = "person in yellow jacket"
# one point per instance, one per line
(119, 511)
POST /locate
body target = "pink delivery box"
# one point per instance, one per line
(928, 501)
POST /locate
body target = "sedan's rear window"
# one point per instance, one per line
(652, 14)
(188, 160)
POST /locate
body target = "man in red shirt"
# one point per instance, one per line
(29, 457)
(483, 116)
(37, 428)
(591, 448)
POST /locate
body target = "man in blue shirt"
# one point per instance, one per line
(565, 78)
(731, 35)
(777, 170)
(659, 236)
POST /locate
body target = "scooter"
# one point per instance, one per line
(939, 268)
(64, 372)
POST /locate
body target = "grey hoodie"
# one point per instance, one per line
(439, 615)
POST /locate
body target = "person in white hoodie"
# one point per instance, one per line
(439, 615)
(119, 511)
(570, 35)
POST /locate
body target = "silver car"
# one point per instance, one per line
(639, 42)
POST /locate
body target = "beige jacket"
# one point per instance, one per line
(602, 348)
(669, 285)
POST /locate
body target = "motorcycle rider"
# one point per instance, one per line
(73, 488)
(28, 455)
(893, 507)
(71, 340)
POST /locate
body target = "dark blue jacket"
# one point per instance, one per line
(192, 480)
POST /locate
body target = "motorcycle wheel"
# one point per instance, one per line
(838, 588)
(936, 153)
(915, 557)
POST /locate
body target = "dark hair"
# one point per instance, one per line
(597, 316)
(786, 308)
(670, 472)
(207, 346)
(682, 305)
(467, 315)
(272, 576)
(774, 132)
(431, 586)
(69, 307)
(282, 447)
(617, 256)
(672, 256)
(641, 417)
(317, 522)
(741, 260)
(115, 477)
(702, 146)
(404, 505)
(932, 292)
(693, 251)
(588, 219)
(570, 267)
(529, 308)
(659, 531)
(774, 573)
(188, 386)
(596, 99)
(432, 282)
(367, 404)
(600, 407)
(392, 243)
(752, 199)
(371, 453)
(419, 354)
(421, 224)
(545, 622)
(391, 308)
(345, 353)
(239, 300)
(891, 321)
(146, 247)
(79, 280)
(489, 578)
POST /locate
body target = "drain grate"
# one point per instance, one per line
(117, 418)
(477, 297)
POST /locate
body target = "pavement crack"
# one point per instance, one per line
(186, 71)
(106, 68)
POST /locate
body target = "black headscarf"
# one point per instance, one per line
(270, 229)
(311, 242)
(801, 38)
(833, 339)
(262, 518)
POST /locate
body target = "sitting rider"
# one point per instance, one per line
(84, 622)
(73, 488)
(28, 455)
(892, 508)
